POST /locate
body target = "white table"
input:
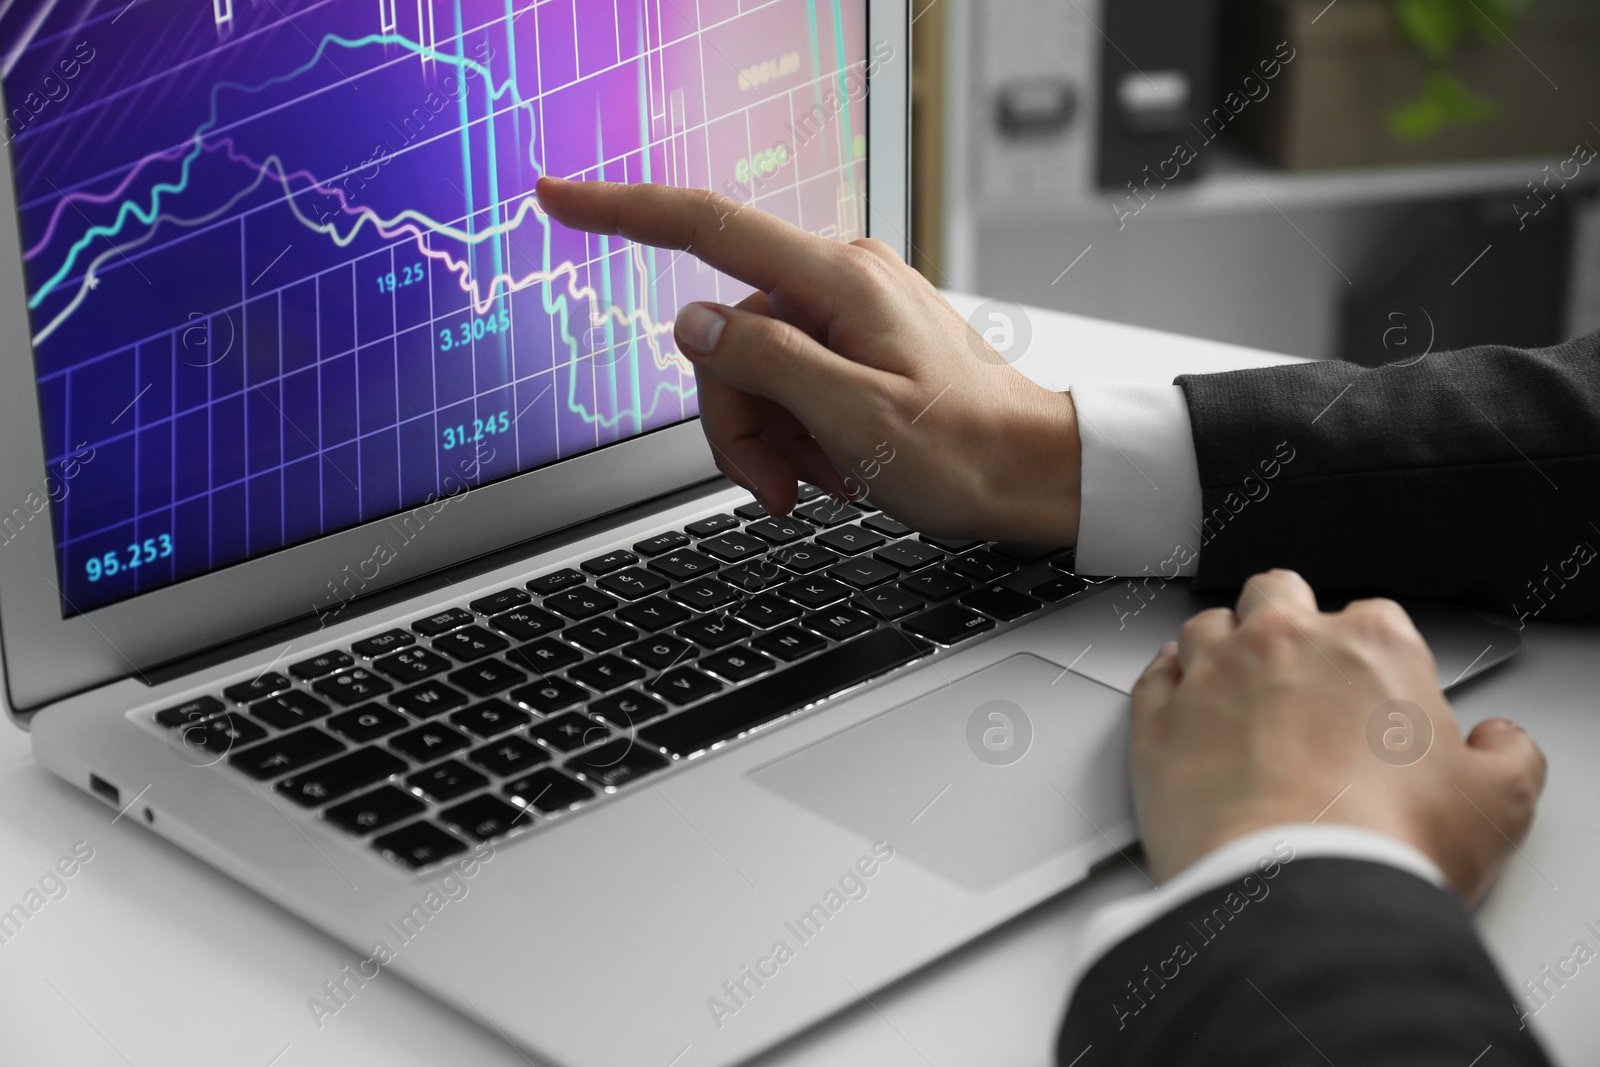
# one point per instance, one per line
(152, 958)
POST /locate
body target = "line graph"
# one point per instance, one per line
(344, 197)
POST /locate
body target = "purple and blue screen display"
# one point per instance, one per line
(286, 273)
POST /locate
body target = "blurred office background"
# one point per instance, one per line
(1360, 179)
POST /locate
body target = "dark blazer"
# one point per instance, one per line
(1337, 961)
(1471, 476)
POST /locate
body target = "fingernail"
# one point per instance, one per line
(699, 328)
(1169, 649)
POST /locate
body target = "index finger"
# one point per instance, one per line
(1279, 589)
(756, 248)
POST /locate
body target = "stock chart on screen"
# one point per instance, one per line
(286, 273)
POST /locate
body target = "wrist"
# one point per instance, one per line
(1037, 498)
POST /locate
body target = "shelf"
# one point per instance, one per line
(1235, 182)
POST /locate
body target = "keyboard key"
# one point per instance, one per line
(816, 592)
(850, 539)
(908, 555)
(714, 631)
(756, 576)
(581, 604)
(1001, 603)
(627, 709)
(442, 622)
(886, 526)
(1059, 588)
(550, 695)
(221, 734)
(862, 573)
(779, 531)
(765, 699)
(889, 602)
(951, 544)
(737, 664)
(380, 644)
(633, 583)
(504, 600)
(808, 492)
(569, 732)
(948, 623)
(706, 594)
(350, 688)
(790, 643)
(767, 611)
(263, 685)
(841, 623)
(428, 699)
(418, 845)
(412, 665)
(367, 723)
(1067, 561)
(490, 718)
(934, 584)
(488, 677)
(338, 777)
(556, 581)
(526, 623)
(470, 643)
(202, 707)
(752, 510)
(711, 526)
(1021, 553)
(733, 547)
(485, 816)
(317, 666)
(667, 542)
(429, 742)
(614, 560)
(447, 780)
(979, 565)
(828, 512)
(548, 791)
(601, 635)
(289, 710)
(616, 764)
(509, 756)
(606, 673)
(806, 557)
(683, 565)
(683, 685)
(288, 752)
(375, 810)
(660, 652)
(654, 614)
(542, 657)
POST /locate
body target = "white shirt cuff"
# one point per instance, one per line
(1251, 862)
(1141, 480)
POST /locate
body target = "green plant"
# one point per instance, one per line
(1436, 28)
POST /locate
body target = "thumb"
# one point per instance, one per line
(1153, 692)
(768, 357)
(1514, 768)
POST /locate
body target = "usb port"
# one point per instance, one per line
(105, 789)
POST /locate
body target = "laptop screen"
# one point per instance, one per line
(286, 274)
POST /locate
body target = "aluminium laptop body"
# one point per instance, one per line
(359, 539)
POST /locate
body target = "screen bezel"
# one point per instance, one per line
(48, 657)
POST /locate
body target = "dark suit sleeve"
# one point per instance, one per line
(1471, 476)
(1338, 961)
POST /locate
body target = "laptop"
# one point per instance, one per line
(359, 538)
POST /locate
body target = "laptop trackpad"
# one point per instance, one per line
(980, 780)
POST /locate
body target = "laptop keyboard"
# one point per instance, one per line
(534, 702)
